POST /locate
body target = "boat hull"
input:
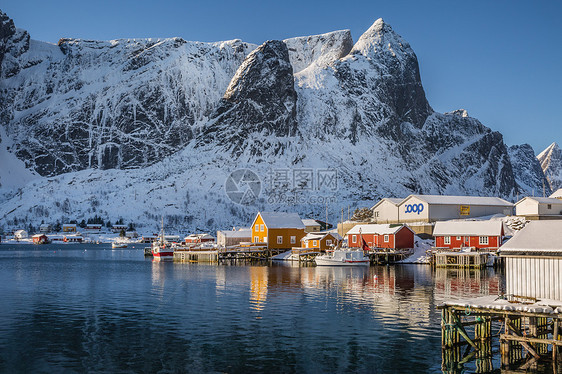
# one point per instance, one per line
(332, 262)
(160, 256)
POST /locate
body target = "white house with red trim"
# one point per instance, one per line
(389, 236)
(477, 234)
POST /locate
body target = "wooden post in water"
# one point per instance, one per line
(504, 344)
(483, 338)
(515, 347)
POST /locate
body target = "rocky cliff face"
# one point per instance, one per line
(259, 109)
(117, 104)
(186, 114)
(527, 170)
(551, 163)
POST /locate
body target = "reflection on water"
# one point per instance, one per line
(88, 308)
(258, 287)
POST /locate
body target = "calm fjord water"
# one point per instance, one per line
(76, 308)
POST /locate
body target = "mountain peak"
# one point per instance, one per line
(380, 38)
(548, 151)
(551, 163)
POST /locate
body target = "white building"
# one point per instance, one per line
(533, 259)
(386, 210)
(20, 234)
(229, 238)
(557, 194)
(539, 208)
(433, 208)
(45, 227)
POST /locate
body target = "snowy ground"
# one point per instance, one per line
(421, 246)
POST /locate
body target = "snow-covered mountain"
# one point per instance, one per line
(318, 121)
(551, 163)
(528, 172)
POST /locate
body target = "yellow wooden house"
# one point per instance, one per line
(278, 230)
(321, 240)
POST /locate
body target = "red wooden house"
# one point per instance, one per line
(462, 234)
(388, 236)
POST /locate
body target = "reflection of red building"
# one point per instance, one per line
(381, 236)
(463, 282)
(476, 234)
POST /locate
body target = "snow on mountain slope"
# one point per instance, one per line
(551, 163)
(318, 122)
(528, 172)
(318, 50)
(116, 104)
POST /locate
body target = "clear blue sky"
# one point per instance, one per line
(500, 60)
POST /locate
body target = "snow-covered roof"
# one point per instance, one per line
(310, 222)
(199, 236)
(461, 200)
(38, 235)
(541, 200)
(318, 235)
(69, 225)
(242, 233)
(380, 229)
(393, 200)
(536, 236)
(281, 220)
(557, 193)
(473, 228)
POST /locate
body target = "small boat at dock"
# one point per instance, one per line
(161, 249)
(343, 257)
(118, 245)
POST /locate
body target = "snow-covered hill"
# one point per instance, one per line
(551, 163)
(147, 127)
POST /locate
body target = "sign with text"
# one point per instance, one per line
(465, 210)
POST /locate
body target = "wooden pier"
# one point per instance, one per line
(305, 254)
(196, 256)
(382, 256)
(476, 260)
(529, 332)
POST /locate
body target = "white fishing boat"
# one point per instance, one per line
(118, 245)
(343, 257)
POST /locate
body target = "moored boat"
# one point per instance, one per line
(118, 245)
(342, 257)
(161, 249)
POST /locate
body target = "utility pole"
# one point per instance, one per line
(326, 226)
